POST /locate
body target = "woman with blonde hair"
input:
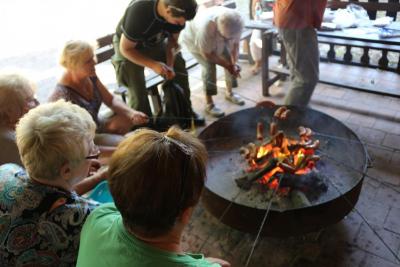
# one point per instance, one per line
(41, 212)
(16, 98)
(80, 85)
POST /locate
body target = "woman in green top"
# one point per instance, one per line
(156, 180)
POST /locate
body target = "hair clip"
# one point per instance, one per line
(183, 147)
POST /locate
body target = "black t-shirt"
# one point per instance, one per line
(143, 25)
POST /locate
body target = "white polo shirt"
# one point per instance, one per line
(201, 35)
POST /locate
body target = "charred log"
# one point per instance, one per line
(260, 131)
(246, 181)
(272, 128)
(286, 167)
(261, 160)
(277, 139)
(312, 183)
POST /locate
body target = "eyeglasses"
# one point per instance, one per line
(94, 152)
(31, 102)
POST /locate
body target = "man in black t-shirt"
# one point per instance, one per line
(147, 36)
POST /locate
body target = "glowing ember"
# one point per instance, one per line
(278, 155)
(299, 161)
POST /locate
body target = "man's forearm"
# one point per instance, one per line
(120, 108)
(170, 56)
(133, 55)
(214, 58)
(172, 47)
(88, 184)
(235, 53)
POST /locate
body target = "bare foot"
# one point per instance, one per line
(256, 68)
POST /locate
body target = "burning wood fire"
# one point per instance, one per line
(292, 161)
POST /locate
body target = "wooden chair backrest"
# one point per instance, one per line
(105, 49)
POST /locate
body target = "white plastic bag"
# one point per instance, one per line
(344, 19)
(353, 16)
(382, 22)
(358, 11)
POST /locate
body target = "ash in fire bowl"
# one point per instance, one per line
(283, 168)
(324, 181)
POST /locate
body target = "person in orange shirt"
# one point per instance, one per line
(296, 21)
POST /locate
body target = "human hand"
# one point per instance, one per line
(234, 69)
(138, 118)
(162, 69)
(101, 174)
(94, 166)
(221, 262)
(170, 74)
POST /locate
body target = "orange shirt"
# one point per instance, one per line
(299, 14)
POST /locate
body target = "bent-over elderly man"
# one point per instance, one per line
(213, 38)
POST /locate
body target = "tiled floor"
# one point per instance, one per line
(368, 236)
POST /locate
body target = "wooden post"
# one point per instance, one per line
(267, 38)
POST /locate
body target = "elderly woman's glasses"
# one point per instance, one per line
(94, 153)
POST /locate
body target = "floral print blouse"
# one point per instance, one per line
(31, 234)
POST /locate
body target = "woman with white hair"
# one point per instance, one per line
(16, 98)
(41, 213)
(213, 38)
(80, 85)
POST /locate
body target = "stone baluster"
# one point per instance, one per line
(365, 57)
(331, 53)
(348, 56)
(383, 61)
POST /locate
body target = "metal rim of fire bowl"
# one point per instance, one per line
(224, 200)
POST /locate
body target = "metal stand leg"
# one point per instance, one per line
(267, 39)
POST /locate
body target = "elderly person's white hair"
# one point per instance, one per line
(74, 53)
(230, 23)
(51, 135)
(14, 90)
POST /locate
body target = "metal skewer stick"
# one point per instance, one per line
(262, 224)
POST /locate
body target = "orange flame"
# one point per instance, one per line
(296, 158)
